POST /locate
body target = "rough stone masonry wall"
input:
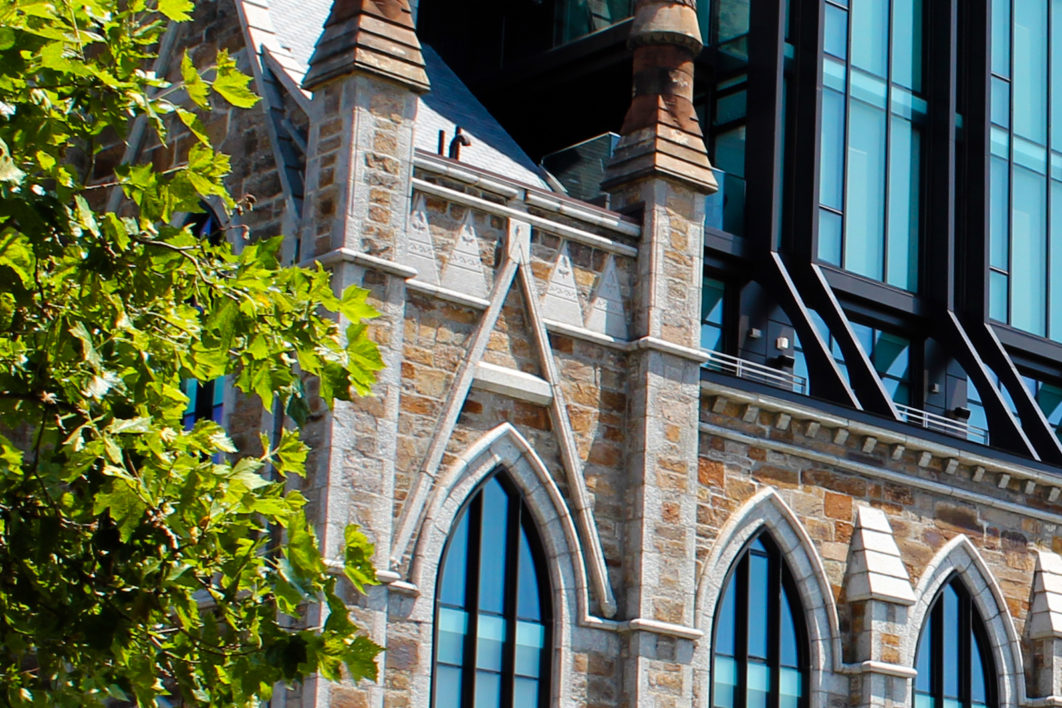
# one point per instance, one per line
(760, 449)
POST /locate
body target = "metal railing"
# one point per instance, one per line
(942, 424)
(744, 369)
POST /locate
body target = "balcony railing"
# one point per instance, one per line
(942, 424)
(744, 369)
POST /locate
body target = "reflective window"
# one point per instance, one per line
(1026, 166)
(492, 610)
(577, 18)
(871, 133)
(712, 302)
(759, 653)
(1049, 397)
(953, 664)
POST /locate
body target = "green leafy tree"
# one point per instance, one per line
(136, 561)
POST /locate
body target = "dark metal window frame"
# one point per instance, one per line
(519, 517)
(779, 577)
(969, 621)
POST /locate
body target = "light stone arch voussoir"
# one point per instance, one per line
(768, 511)
(960, 557)
(504, 447)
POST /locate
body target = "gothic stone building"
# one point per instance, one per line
(738, 389)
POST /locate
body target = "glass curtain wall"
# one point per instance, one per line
(873, 112)
(1026, 166)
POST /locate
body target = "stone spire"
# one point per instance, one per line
(661, 133)
(376, 36)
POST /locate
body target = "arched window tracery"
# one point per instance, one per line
(492, 607)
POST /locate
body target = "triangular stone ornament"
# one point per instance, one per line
(607, 314)
(420, 250)
(464, 270)
(875, 568)
(561, 302)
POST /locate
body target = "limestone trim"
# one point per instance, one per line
(960, 557)
(554, 227)
(980, 468)
(667, 629)
(1045, 610)
(349, 255)
(515, 266)
(883, 473)
(512, 190)
(767, 510)
(505, 447)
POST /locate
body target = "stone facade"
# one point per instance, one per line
(559, 341)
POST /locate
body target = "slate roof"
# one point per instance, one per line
(296, 26)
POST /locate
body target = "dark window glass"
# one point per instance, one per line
(759, 652)
(577, 18)
(492, 619)
(954, 668)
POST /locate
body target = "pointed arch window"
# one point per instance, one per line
(955, 669)
(759, 646)
(492, 607)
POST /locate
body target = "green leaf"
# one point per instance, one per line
(231, 83)
(176, 10)
(193, 83)
(357, 558)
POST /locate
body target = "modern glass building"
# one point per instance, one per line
(890, 204)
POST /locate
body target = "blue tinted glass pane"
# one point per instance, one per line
(527, 599)
(1056, 71)
(1050, 399)
(924, 659)
(997, 306)
(791, 688)
(891, 355)
(789, 654)
(950, 628)
(830, 237)
(903, 205)
(453, 626)
(831, 162)
(488, 690)
(759, 684)
(1055, 281)
(733, 19)
(924, 701)
(447, 685)
(712, 301)
(1001, 37)
(455, 568)
(870, 24)
(757, 624)
(870, 89)
(978, 675)
(730, 107)
(730, 152)
(1028, 241)
(492, 559)
(490, 640)
(525, 693)
(834, 75)
(724, 622)
(907, 43)
(999, 142)
(864, 236)
(835, 34)
(1030, 154)
(724, 681)
(530, 640)
(1000, 102)
(1030, 69)
(1000, 231)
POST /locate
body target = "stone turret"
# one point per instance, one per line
(376, 36)
(661, 169)
(661, 134)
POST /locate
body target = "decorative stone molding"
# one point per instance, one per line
(767, 510)
(875, 569)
